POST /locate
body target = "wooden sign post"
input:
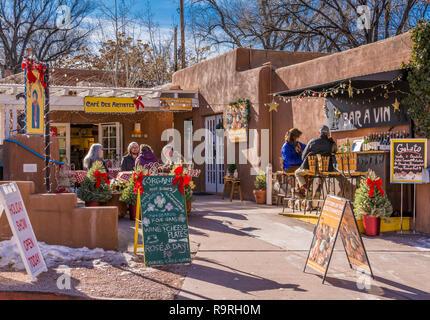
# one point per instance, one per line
(407, 164)
(337, 216)
(164, 222)
(11, 202)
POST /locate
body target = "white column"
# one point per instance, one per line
(14, 120)
(7, 122)
(2, 123)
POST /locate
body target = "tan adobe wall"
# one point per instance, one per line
(56, 220)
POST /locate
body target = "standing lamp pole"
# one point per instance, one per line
(181, 11)
(47, 134)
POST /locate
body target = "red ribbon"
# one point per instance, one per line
(99, 176)
(180, 179)
(372, 184)
(30, 75)
(137, 178)
(42, 69)
(138, 103)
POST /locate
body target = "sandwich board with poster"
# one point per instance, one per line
(13, 205)
(337, 216)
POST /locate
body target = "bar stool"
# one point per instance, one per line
(235, 187)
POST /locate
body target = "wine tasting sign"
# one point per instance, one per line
(408, 159)
(351, 114)
(164, 222)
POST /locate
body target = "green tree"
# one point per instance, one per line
(418, 99)
(379, 205)
(88, 191)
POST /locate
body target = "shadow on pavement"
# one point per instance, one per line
(404, 292)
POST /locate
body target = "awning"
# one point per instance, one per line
(360, 82)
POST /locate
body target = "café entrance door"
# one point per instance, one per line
(214, 151)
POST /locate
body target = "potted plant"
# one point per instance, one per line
(128, 196)
(189, 198)
(118, 186)
(231, 169)
(95, 188)
(371, 203)
(260, 188)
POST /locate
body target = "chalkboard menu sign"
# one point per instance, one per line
(408, 159)
(164, 222)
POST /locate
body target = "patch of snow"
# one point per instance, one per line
(55, 255)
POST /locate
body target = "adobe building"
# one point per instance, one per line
(257, 74)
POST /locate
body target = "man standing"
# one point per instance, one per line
(323, 145)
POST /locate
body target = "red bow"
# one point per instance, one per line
(137, 178)
(99, 176)
(30, 75)
(41, 68)
(181, 180)
(138, 103)
(372, 184)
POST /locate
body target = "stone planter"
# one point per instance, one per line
(260, 196)
(114, 202)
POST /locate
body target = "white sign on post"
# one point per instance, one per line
(12, 203)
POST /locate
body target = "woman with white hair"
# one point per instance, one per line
(127, 163)
(94, 154)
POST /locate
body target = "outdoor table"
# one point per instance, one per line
(113, 172)
(78, 175)
(235, 187)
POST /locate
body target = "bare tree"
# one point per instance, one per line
(32, 23)
(312, 25)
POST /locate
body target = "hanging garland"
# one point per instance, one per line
(342, 88)
(30, 65)
(418, 99)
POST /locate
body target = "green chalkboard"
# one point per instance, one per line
(164, 222)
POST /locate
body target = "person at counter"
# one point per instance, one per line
(128, 161)
(146, 156)
(94, 154)
(292, 150)
(323, 145)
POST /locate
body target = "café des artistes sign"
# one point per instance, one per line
(351, 114)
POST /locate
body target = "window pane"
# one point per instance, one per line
(112, 143)
(105, 143)
(105, 131)
(113, 131)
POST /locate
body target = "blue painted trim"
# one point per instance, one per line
(33, 152)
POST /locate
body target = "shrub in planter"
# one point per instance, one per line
(260, 188)
(95, 187)
(128, 196)
(231, 169)
(371, 203)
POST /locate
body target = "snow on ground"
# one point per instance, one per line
(54, 255)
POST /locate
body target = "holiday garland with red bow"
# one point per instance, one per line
(181, 179)
(138, 103)
(96, 185)
(370, 198)
(30, 65)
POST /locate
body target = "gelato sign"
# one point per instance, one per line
(109, 105)
(408, 159)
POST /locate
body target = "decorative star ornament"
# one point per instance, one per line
(350, 90)
(396, 105)
(337, 113)
(272, 105)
